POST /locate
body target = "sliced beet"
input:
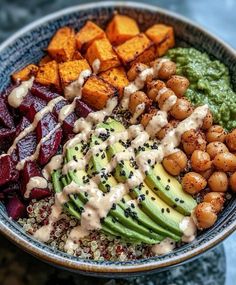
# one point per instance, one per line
(5, 117)
(6, 138)
(31, 105)
(27, 146)
(43, 92)
(10, 188)
(30, 170)
(82, 109)
(24, 123)
(50, 147)
(47, 124)
(8, 172)
(15, 208)
(40, 193)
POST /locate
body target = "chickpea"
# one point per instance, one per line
(218, 182)
(200, 160)
(216, 199)
(206, 174)
(137, 98)
(231, 140)
(205, 215)
(193, 140)
(167, 69)
(193, 183)
(216, 133)
(178, 84)
(175, 162)
(232, 182)
(154, 87)
(148, 116)
(225, 161)
(172, 124)
(208, 121)
(164, 97)
(135, 70)
(182, 109)
(215, 148)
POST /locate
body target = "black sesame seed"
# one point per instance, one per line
(147, 192)
(132, 205)
(76, 148)
(181, 201)
(158, 178)
(113, 206)
(162, 210)
(167, 187)
(123, 200)
(153, 198)
(168, 180)
(176, 199)
(149, 161)
(168, 210)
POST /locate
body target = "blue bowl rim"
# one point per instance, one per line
(15, 232)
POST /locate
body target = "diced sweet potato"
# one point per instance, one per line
(70, 70)
(133, 48)
(77, 55)
(117, 77)
(62, 45)
(102, 50)
(88, 34)
(25, 73)
(48, 75)
(121, 28)
(162, 36)
(146, 57)
(44, 60)
(96, 92)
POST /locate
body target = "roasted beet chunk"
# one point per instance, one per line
(27, 146)
(15, 208)
(10, 188)
(5, 117)
(6, 138)
(32, 171)
(82, 109)
(45, 125)
(43, 92)
(8, 172)
(49, 147)
(31, 105)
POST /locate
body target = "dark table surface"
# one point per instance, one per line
(216, 267)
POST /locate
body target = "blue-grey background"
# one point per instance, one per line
(214, 268)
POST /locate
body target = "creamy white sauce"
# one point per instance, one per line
(158, 65)
(18, 94)
(35, 182)
(164, 247)
(138, 112)
(156, 123)
(169, 103)
(66, 111)
(74, 89)
(96, 65)
(189, 229)
(54, 164)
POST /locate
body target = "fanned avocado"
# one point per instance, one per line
(110, 223)
(131, 211)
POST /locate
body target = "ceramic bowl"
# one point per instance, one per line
(27, 46)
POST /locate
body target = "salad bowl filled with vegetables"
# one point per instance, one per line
(118, 139)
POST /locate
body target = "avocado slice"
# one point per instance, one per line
(168, 187)
(157, 209)
(108, 181)
(80, 177)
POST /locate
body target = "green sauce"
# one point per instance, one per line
(209, 84)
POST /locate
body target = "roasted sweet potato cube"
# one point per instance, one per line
(77, 55)
(146, 57)
(44, 60)
(48, 75)
(62, 45)
(102, 50)
(162, 36)
(121, 28)
(97, 91)
(133, 48)
(88, 34)
(117, 77)
(25, 73)
(70, 70)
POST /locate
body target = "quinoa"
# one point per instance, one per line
(96, 246)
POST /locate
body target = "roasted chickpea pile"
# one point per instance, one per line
(205, 162)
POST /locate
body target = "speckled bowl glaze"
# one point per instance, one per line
(27, 46)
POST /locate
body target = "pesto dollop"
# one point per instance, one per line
(209, 84)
